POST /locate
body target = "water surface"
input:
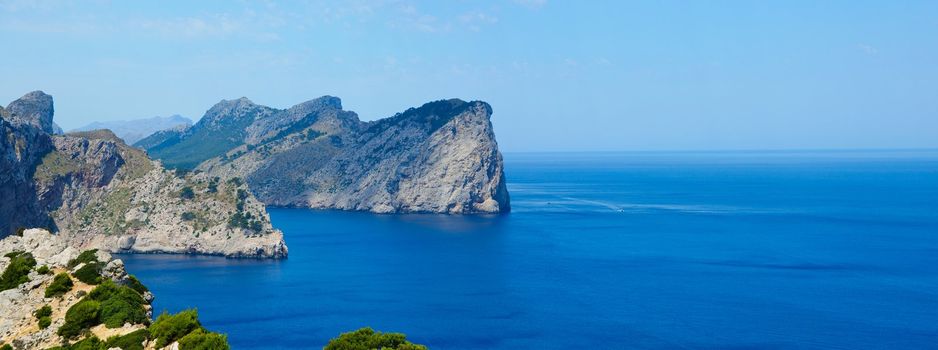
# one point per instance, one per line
(606, 250)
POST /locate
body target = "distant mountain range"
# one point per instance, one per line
(132, 131)
(441, 157)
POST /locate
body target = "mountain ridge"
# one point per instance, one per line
(441, 157)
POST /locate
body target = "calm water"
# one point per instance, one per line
(606, 251)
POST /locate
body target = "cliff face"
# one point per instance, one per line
(64, 298)
(97, 192)
(441, 157)
(22, 145)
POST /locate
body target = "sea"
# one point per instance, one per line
(635, 250)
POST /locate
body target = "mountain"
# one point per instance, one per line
(441, 157)
(132, 131)
(98, 192)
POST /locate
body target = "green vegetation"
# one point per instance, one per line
(130, 341)
(60, 285)
(44, 316)
(187, 193)
(45, 322)
(169, 328)
(90, 273)
(213, 185)
(367, 339)
(43, 270)
(108, 213)
(55, 164)
(44, 311)
(79, 317)
(135, 284)
(313, 134)
(13, 254)
(433, 115)
(187, 216)
(6, 347)
(200, 339)
(17, 272)
(243, 219)
(210, 138)
(110, 304)
(85, 257)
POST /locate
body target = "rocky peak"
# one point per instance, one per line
(33, 108)
(323, 102)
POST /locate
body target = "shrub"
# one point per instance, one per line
(90, 273)
(13, 254)
(119, 305)
(6, 347)
(367, 339)
(43, 270)
(45, 322)
(79, 317)
(169, 328)
(17, 272)
(44, 311)
(90, 343)
(187, 216)
(199, 339)
(130, 341)
(135, 284)
(61, 284)
(187, 193)
(213, 185)
(87, 256)
(108, 303)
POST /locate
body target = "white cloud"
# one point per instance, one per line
(531, 4)
(476, 19)
(867, 49)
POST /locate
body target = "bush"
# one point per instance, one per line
(108, 303)
(187, 216)
(85, 257)
(367, 339)
(119, 305)
(17, 272)
(44, 311)
(130, 341)
(6, 347)
(169, 328)
(199, 339)
(135, 284)
(90, 273)
(43, 270)
(45, 322)
(79, 317)
(187, 193)
(90, 343)
(61, 284)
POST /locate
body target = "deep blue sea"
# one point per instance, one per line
(738, 250)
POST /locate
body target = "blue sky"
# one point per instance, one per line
(560, 75)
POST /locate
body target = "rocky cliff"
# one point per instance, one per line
(441, 157)
(97, 192)
(55, 296)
